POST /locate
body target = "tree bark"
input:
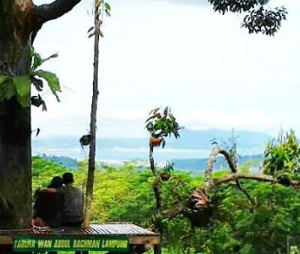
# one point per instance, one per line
(92, 152)
(157, 181)
(156, 189)
(15, 125)
(56, 9)
(212, 158)
(232, 165)
(18, 25)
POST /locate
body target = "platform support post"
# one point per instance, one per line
(157, 249)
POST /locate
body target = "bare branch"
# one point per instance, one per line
(239, 186)
(46, 12)
(174, 211)
(232, 164)
(212, 158)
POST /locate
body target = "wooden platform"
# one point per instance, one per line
(111, 237)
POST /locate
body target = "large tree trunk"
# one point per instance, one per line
(15, 165)
(19, 22)
(15, 127)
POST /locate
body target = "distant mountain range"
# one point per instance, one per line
(198, 165)
(190, 165)
(193, 144)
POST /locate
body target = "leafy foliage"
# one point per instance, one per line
(161, 123)
(168, 168)
(264, 21)
(43, 171)
(39, 76)
(124, 194)
(7, 88)
(224, 6)
(259, 19)
(282, 156)
(101, 6)
(20, 86)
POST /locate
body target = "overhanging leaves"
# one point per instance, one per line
(7, 90)
(259, 19)
(224, 6)
(22, 84)
(37, 61)
(2, 79)
(23, 100)
(52, 80)
(264, 21)
(38, 83)
(18, 86)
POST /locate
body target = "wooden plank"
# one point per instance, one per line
(5, 240)
(157, 249)
(148, 241)
(124, 229)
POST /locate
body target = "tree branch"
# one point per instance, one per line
(174, 211)
(211, 160)
(256, 177)
(197, 208)
(47, 12)
(232, 164)
(239, 186)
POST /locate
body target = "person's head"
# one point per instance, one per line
(68, 178)
(56, 182)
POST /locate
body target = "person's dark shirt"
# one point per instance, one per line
(49, 206)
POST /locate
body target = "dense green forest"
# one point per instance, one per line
(237, 226)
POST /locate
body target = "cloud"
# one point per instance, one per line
(188, 2)
(245, 119)
(182, 55)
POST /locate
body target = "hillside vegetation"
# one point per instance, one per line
(237, 226)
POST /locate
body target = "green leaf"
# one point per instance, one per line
(7, 90)
(245, 222)
(48, 58)
(107, 13)
(247, 249)
(52, 80)
(107, 7)
(38, 83)
(153, 111)
(37, 61)
(23, 100)
(90, 29)
(2, 78)
(22, 84)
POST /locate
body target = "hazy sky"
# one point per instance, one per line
(179, 53)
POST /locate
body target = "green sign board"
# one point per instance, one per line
(30, 244)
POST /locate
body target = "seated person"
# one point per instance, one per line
(73, 203)
(72, 211)
(48, 206)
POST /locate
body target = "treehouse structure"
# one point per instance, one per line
(112, 238)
